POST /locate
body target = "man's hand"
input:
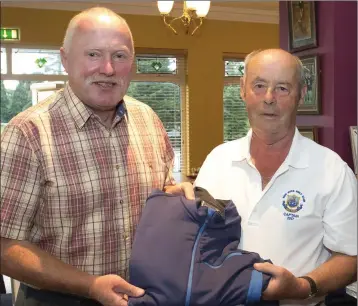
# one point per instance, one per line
(112, 290)
(185, 187)
(283, 284)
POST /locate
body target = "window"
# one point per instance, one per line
(22, 71)
(236, 123)
(29, 75)
(3, 61)
(36, 61)
(159, 81)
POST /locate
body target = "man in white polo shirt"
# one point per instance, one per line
(297, 199)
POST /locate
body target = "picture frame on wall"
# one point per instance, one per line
(302, 25)
(354, 143)
(310, 132)
(311, 104)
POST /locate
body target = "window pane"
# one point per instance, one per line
(32, 61)
(155, 65)
(236, 123)
(234, 68)
(3, 61)
(164, 99)
(16, 96)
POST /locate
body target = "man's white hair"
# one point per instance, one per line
(91, 13)
(300, 70)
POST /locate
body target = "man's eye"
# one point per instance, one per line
(259, 86)
(92, 54)
(120, 56)
(281, 88)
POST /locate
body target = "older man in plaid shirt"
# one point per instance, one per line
(76, 170)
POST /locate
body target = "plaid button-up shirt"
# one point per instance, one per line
(75, 188)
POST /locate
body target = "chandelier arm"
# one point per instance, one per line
(169, 24)
(198, 26)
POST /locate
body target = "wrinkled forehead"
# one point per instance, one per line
(273, 67)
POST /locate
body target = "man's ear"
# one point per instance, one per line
(64, 59)
(302, 94)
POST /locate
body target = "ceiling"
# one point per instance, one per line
(247, 11)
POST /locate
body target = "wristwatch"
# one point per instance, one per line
(314, 289)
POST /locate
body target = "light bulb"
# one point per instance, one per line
(202, 8)
(165, 7)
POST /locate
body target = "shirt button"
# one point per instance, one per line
(117, 167)
(121, 201)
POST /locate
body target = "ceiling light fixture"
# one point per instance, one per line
(192, 11)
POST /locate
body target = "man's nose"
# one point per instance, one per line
(270, 96)
(107, 67)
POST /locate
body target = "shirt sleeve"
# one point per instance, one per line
(203, 179)
(166, 149)
(340, 216)
(210, 176)
(20, 184)
(169, 160)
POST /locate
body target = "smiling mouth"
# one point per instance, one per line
(105, 85)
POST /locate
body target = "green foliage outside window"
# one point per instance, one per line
(236, 122)
(14, 101)
(164, 99)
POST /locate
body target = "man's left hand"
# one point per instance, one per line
(185, 188)
(283, 284)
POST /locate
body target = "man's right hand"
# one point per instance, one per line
(112, 290)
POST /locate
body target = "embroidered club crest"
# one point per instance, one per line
(292, 202)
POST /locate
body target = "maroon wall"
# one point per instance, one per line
(337, 47)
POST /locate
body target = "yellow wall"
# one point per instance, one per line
(204, 53)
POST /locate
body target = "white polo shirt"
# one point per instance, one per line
(309, 205)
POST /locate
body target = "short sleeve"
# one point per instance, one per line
(340, 216)
(20, 184)
(210, 175)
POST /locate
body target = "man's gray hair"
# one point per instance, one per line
(93, 12)
(300, 70)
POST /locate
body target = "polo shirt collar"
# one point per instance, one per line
(296, 158)
(244, 148)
